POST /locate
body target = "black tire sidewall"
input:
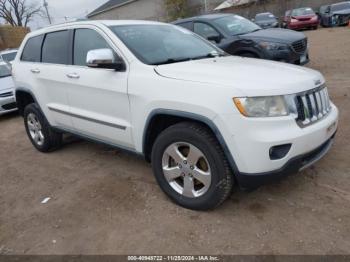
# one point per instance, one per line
(34, 109)
(214, 195)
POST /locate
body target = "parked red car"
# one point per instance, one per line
(301, 18)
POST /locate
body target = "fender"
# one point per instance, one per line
(247, 50)
(26, 90)
(198, 118)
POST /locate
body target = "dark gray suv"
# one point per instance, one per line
(238, 36)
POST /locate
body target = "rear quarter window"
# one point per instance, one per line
(56, 48)
(32, 49)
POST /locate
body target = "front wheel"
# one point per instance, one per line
(191, 167)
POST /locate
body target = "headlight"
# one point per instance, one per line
(269, 106)
(273, 46)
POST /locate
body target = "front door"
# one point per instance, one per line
(98, 97)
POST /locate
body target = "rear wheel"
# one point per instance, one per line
(39, 131)
(190, 166)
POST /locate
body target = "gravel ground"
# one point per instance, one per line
(107, 202)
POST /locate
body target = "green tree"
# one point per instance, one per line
(176, 9)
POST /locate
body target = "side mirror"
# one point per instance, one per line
(104, 58)
(214, 38)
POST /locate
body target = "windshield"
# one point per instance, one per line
(9, 56)
(4, 71)
(236, 25)
(164, 44)
(341, 6)
(302, 11)
(264, 17)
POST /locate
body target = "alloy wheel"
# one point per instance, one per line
(186, 169)
(35, 129)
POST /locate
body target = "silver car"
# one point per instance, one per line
(8, 55)
(7, 98)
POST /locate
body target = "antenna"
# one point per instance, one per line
(47, 11)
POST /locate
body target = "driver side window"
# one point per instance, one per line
(205, 30)
(86, 40)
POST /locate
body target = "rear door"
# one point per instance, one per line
(41, 70)
(98, 97)
(51, 76)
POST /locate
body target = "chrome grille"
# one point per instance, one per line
(300, 46)
(312, 106)
(7, 94)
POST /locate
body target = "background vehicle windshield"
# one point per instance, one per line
(236, 25)
(264, 17)
(302, 11)
(4, 71)
(341, 6)
(159, 44)
(9, 56)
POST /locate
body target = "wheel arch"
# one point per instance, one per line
(24, 97)
(152, 130)
(247, 50)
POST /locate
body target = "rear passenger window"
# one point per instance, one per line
(32, 49)
(56, 48)
(86, 40)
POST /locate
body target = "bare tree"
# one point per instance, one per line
(176, 8)
(18, 12)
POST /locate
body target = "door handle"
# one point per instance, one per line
(35, 71)
(73, 76)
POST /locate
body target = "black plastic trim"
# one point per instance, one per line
(87, 118)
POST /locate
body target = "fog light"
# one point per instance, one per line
(279, 152)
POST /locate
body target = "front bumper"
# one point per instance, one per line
(288, 56)
(7, 102)
(303, 25)
(250, 141)
(295, 165)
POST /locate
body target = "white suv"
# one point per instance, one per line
(204, 119)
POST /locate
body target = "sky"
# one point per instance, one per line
(59, 9)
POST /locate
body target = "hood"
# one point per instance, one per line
(278, 35)
(6, 83)
(342, 12)
(251, 77)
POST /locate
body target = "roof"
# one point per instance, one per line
(8, 51)
(202, 17)
(232, 3)
(111, 4)
(93, 23)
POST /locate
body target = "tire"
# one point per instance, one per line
(40, 133)
(197, 139)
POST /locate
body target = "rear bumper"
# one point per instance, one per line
(297, 164)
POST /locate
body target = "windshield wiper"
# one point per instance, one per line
(210, 55)
(178, 60)
(173, 60)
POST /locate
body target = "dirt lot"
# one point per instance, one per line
(107, 202)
